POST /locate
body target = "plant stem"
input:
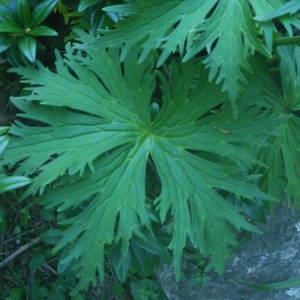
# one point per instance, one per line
(287, 40)
(19, 252)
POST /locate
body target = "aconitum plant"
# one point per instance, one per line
(154, 136)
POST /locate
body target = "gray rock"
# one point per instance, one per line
(268, 258)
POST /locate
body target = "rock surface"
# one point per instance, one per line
(268, 258)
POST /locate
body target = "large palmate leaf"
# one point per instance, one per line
(224, 28)
(90, 153)
(283, 156)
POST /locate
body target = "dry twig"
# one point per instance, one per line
(19, 252)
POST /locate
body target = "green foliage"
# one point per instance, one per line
(132, 148)
(145, 289)
(87, 3)
(8, 183)
(283, 158)
(89, 16)
(190, 26)
(20, 26)
(113, 114)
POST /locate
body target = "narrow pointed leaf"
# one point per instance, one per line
(27, 45)
(43, 31)
(5, 43)
(42, 11)
(86, 3)
(10, 27)
(23, 12)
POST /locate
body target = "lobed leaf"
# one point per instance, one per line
(283, 155)
(27, 46)
(266, 11)
(89, 153)
(190, 27)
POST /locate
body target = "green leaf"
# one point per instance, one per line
(43, 31)
(283, 156)
(23, 12)
(15, 294)
(90, 155)
(86, 3)
(225, 28)
(42, 11)
(285, 284)
(10, 27)
(5, 43)
(267, 10)
(6, 13)
(190, 27)
(8, 183)
(120, 9)
(260, 7)
(145, 289)
(36, 261)
(3, 143)
(291, 7)
(121, 267)
(142, 262)
(27, 46)
(290, 76)
(153, 21)
(51, 236)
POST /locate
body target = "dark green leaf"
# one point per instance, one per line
(6, 13)
(283, 155)
(285, 284)
(51, 236)
(86, 3)
(42, 11)
(36, 261)
(27, 45)
(145, 289)
(2, 221)
(5, 43)
(43, 31)
(10, 27)
(23, 12)
(142, 262)
(121, 268)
